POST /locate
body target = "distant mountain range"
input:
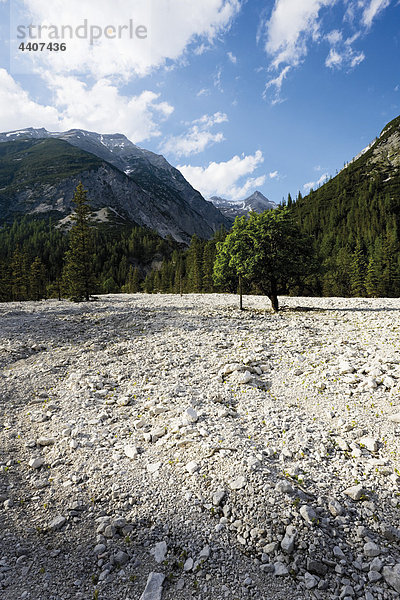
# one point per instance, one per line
(40, 170)
(257, 202)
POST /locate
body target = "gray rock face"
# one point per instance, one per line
(132, 183)
(335, 508)
(310, 581)
(36, 463)
(121, 558)
(218, 497)
(280, 569)
(257, 202)
(131, 451)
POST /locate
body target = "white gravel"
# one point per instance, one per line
(174, 447)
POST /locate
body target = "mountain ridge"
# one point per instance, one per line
(175, 207)
(256, 202)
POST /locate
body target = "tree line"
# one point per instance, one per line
(277, 252)
(36, 254)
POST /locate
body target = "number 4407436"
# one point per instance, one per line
(41, 46)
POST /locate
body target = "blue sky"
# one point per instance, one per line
(241, 95)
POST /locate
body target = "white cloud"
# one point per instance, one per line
(172, 27)
(290, 27)
(197, 138)
(315, 184)
(77, 105)
(334, 37)
(226, 178)
(357, 59)
(274, 175)
(372, 10)
(203, 92)
(294, 25)
(232, 58)
(277, 83)
(193, 142)
(210, 120)
(342, 55)
(334, 59)
(218, 80)
(18, 110)
(101, 106)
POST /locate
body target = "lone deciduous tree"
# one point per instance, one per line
(266, 250)
(78, 275)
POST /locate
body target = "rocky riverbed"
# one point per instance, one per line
(167, 447)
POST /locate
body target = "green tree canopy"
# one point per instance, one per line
(267, 250)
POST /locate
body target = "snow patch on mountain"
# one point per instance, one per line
(257, 202)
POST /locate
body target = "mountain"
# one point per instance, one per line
(257, 202)
(123, 180)
(355, 221)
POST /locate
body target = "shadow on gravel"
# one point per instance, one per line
(288, 309)
(60, 564)
(105, 323)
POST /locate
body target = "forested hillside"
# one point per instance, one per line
(354, 219)
(32, 256)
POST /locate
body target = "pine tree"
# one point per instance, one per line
(19, 275)
(132, 285)
(78, 272)
(390, 252)
(149, 283)
(5, 282)
(208, 266)
(167, 275)
(37, 280)
(194, 265)
(177, 261)
(372, 278)
(358, 271)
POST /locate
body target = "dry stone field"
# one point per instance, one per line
(172, 448)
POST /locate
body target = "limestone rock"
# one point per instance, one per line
(160, 551)
(392, 576)
(131, 451)
(192, 467)
(355, 492)
(153, 589)
(57, 523)
(238, 483)
(308, 514)
(36, 463)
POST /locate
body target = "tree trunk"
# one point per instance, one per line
(273, 296)
(240, 293)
